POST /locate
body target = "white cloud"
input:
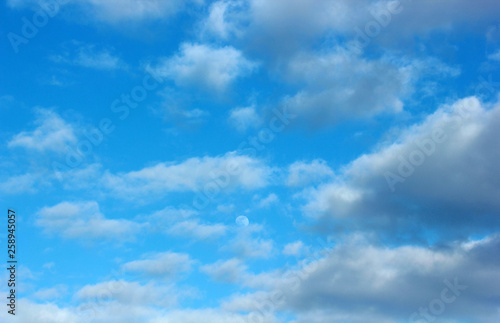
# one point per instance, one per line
(438, 17)
(303, 173)
(83, 220)
(41, 313)
(217, 21)
(209, 315)
(196, 230)
(116, 11)
(119, 10)
(129, 293)
(52, 293)
(51, 134)
(272, 25)
(26, 273)
(246, 245)
(359, 282)
(167, 216)
(49, 266)
(205, 66)
(244, 118)
(229, 271)
(71, 179)
(79, 177)
(342, 84)
(296, 248)
(206, 173)
(89, 56)
(267, 201)
(16, 184)
(495, 56)
(440, 175)
(351, 282)
(194, 116)
(162, 265)
(116, 312)
(177, 107)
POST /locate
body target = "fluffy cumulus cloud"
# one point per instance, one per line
(412, 220)
(273, 25)
(440, 175)
(222, 19)
(213, 68)
(342, 84)
(359, 282)
(438, 16)
(206, 174)
(52, 133)
(84, 220)
(276, 23)
(335, 83)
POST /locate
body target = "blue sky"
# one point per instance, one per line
(252, 161)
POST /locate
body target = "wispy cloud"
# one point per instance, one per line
(89, 56)
(83, 220)
(244, 118)
(192, 174)
(372, 188)
(160, 265)
(52, 133)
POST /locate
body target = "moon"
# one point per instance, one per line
(242, 221)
